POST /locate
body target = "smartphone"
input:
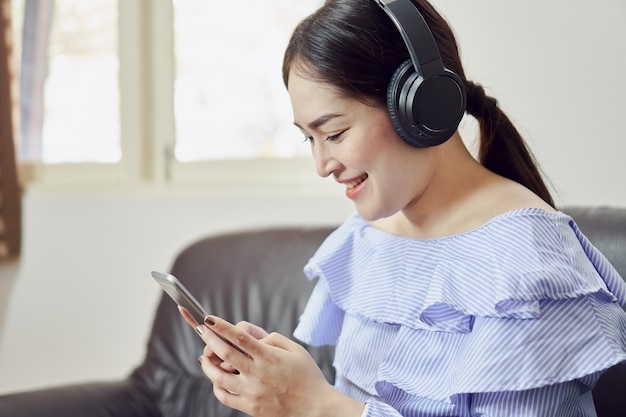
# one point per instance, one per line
(181, 296)
(189, 307)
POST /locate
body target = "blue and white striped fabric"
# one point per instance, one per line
(516, 318)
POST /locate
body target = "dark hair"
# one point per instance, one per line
(354, 46)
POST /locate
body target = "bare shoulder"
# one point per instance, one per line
(472, 208)
(492, 199)
(507, 195)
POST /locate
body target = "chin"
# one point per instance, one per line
(371, 215)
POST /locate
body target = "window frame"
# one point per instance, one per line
(147, 122)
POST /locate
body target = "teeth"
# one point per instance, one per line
(356, 182)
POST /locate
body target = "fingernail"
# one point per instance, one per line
(209, 321)
(200, 329)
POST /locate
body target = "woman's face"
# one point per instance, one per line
(357, 145)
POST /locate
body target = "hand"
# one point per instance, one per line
(275, 376)
(253, 330)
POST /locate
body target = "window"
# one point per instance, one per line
(160, 90)
(69, 81)
(229, 95)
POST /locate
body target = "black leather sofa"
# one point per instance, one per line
(256, 276)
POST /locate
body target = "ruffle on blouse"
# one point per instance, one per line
(521, 302)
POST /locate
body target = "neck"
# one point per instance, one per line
(449, 203)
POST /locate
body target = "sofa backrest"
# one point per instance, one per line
(252, 275)
(606, 229)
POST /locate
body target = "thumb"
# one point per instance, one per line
(279, 341)
(252, 329)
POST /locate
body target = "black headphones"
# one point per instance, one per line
(426, 101)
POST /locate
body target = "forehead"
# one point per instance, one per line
(302, 86)
(310, 99)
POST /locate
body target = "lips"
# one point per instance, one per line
(355, 186)
(356, 181)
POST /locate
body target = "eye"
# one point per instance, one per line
(308, 139)
(337, 136)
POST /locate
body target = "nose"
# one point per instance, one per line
(325, 162)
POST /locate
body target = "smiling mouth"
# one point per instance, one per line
(356, 182)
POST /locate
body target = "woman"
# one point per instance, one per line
(456, 288)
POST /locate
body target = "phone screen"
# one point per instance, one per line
(189, 307)
(177, 292)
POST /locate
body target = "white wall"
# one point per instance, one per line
(83, 299)
(79, 303)
(557, 68)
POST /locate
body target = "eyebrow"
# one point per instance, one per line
(320, 121)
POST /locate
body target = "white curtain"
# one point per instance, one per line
(33, 74)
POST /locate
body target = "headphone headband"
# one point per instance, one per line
(426, 101)
(417, 36)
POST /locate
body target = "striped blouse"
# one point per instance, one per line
(518, 317)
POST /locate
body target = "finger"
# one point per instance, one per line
(279, 341)
(227, 398)
(215, 360)
(222, 348)
(238, 338)
(188, 317)
(224, 379)
(208, 353)
(228, 368)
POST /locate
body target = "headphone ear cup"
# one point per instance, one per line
(425, 112)
(405, 75)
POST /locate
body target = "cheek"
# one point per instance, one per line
(406, 170)
(356, 154)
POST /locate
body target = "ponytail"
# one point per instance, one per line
(502, 149)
